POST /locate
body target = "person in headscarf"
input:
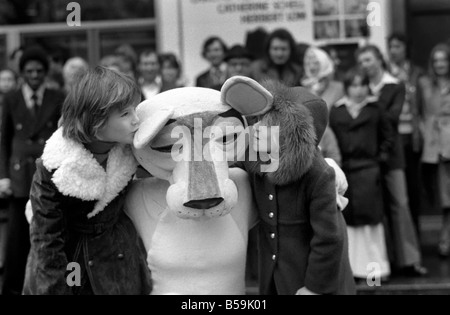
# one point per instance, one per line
(319, 69)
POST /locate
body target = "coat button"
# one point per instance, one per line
(120, 256)
(41, 141)
(274, 257)
(49, 124)
(90, 263)
(19, 127)
(17, 167)
(271, 215)
(270, 197)
(29, 142)
(272, 236)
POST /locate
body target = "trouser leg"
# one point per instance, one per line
(404, 237)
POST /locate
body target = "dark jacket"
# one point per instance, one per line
(23, 137)
(91, 230)
(289, 74)
(206, 80)
(364, 142)
(410, 76)
(391, 100)
(303, 236)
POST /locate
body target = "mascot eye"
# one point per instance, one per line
(165, 149)
(229, 138)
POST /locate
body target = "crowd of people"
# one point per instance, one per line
(389, 131)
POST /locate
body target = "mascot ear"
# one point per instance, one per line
(246, 96)
(150, 126)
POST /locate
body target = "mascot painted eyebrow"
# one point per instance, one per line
(195, 213)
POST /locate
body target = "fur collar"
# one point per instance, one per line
(78, 174)
(297, 137)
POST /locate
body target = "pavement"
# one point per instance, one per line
(437, 282)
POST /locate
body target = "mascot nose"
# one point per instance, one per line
(204, 204)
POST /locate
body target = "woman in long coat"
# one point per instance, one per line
(365, 138)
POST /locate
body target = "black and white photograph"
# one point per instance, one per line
(356, 28)
(355, 6)
(326, 7)
(223, 153)
(327, 30)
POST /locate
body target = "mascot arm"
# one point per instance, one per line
(246, 215)
(341, 185)
(143, 210)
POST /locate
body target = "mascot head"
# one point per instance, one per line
(189, 136)
(302, 119)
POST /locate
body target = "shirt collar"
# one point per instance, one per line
(28, 92)
(386, 79)
(156, 82)
(345, 101)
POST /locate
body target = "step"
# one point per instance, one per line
(434, 287)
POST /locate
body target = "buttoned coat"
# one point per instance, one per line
(302, 232)
(364, 142)
(303, 237)
(23, 137)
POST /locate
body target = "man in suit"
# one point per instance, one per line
(214, 51)
(150, 79)
(30, 116)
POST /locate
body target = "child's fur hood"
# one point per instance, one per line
(78, 174)
(302, 118)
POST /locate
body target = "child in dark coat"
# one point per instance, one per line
(82, 242)
(303, 245)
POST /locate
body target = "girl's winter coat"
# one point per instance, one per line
(78, 218)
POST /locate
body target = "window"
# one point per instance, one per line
(91, 41)
(59, 44)
(51, 11)
(340, 19)
(138, 38)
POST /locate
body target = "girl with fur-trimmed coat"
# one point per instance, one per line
(78, 192)
(303, 246)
